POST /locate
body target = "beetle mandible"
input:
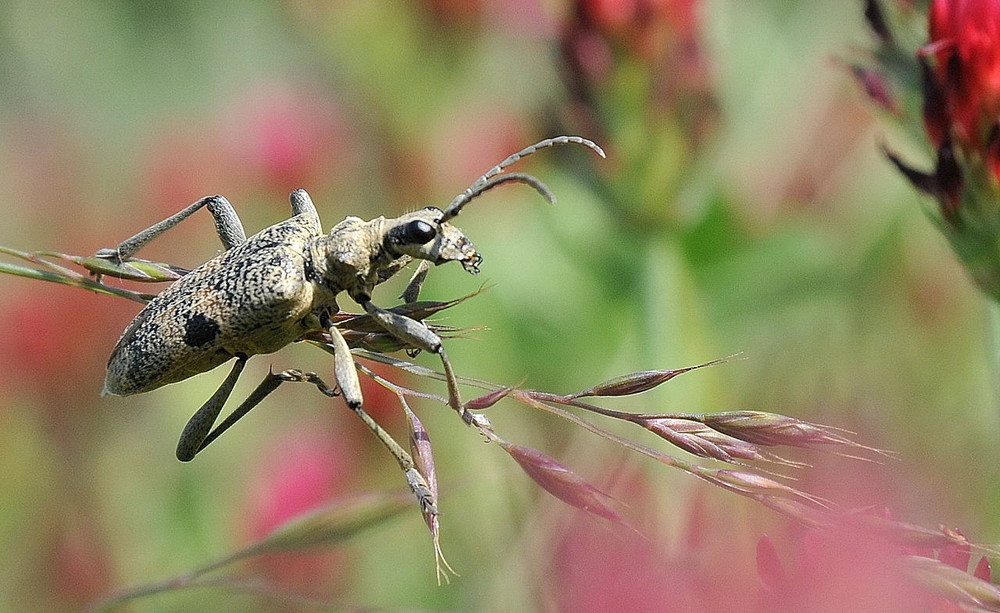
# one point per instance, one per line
(281, 284)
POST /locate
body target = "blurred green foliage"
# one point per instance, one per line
(748, 212)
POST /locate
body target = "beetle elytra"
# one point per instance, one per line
(281, 284)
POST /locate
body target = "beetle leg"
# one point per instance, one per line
(412, 291)
(344, 370)
(387, 272)
(418, 485)
(227, 225)
(200, 425)
(350, 387)
(195, 438)
(302, 204)
(268, 385)
(418, 335)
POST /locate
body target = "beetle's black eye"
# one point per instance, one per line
(418, 232)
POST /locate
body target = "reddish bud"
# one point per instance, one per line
(422, 479)
(771, 429)
(420, 449)
(877, 87)
(983, 569)
(634, 383)
(760, 488)
(769, 568)
(487, 400)
(561, 482)
(702, 441)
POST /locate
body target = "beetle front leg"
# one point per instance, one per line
(344, 370)
(420, 336)
(412, 291)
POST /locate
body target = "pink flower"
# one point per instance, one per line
(273, 139)
(638, 18)
(289, 136)
(303, 469)
(78, 565)
(56, 342)
(300, 470)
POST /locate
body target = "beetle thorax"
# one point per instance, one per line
(348, 258)
(357, 255)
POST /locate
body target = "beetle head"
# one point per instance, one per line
(421, 234)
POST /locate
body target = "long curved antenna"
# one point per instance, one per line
(483, 183)
(518, 177)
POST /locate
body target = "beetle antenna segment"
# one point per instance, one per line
(519, 177)
(479, 186)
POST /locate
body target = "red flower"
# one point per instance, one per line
(965, 44)
(631, 17)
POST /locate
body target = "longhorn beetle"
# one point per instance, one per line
(281, 284)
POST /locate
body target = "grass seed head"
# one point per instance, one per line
(561, 482)
(637, 382)
(702, 441)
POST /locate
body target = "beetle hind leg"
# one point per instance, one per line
(227, 225)
(199, 433)
(199, 427)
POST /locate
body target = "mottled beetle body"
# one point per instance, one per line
(280, 285)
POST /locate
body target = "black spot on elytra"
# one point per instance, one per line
(200, 330)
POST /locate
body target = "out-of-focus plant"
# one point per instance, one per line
(857, 566)
(637, 79)
(937, 74)
(744, 440)
(636, 76)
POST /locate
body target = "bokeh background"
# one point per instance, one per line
(744, 208)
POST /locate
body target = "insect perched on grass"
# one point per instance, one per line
(281, 284)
